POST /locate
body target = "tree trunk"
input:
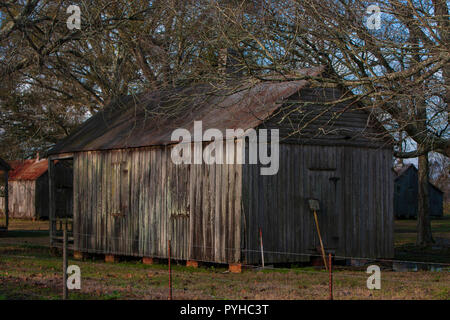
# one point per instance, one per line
(424, 236)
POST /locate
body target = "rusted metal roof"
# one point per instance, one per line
(149, 119)
(27, 169)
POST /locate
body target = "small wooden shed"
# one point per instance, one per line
(130, 198)
(406, 194)
(29, 192)
(4, 169)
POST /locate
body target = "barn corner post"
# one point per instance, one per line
(51, 202)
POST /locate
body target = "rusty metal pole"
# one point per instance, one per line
(331, 276)
(170, 273)
(65, 295)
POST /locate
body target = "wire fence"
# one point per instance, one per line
(341, 274)
(95, 238)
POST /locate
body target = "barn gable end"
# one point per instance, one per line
(406, 195)
(29, 192)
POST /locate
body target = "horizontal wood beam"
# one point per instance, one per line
(62, 156)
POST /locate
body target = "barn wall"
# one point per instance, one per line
(406, 196)
(21, 199)
(133, 201)
(356, 217)
(436, 202)
(41, 199)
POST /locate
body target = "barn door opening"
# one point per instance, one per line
(60, 206)
(64, 189)
(178, 202)
(120, 204)
(326, 187)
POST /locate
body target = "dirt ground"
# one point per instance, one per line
(30, 270)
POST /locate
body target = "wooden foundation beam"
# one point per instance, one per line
(111, 258)
(78, 255)
(235, 267)
(148, 260)
(192, 263)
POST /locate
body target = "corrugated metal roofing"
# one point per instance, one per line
(149, 119)
(27, 169)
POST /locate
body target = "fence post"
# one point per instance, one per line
(6, 200)
(331, 276)
(170, 273)
(65, 264)
(51, 201)
(262, 247)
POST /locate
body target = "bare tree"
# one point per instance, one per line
(399, 70)
(52, 77)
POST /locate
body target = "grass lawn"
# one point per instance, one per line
(22, 224)
(30, 270)
(35, 273)
(405, 236)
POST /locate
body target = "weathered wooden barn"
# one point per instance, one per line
(406, 194)
(4, 169)
(130, 198)
(29, 192)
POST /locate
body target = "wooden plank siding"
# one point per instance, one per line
(22, 199)
(356, 216)
(347, 169)
(132, 201)
(406, 196)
